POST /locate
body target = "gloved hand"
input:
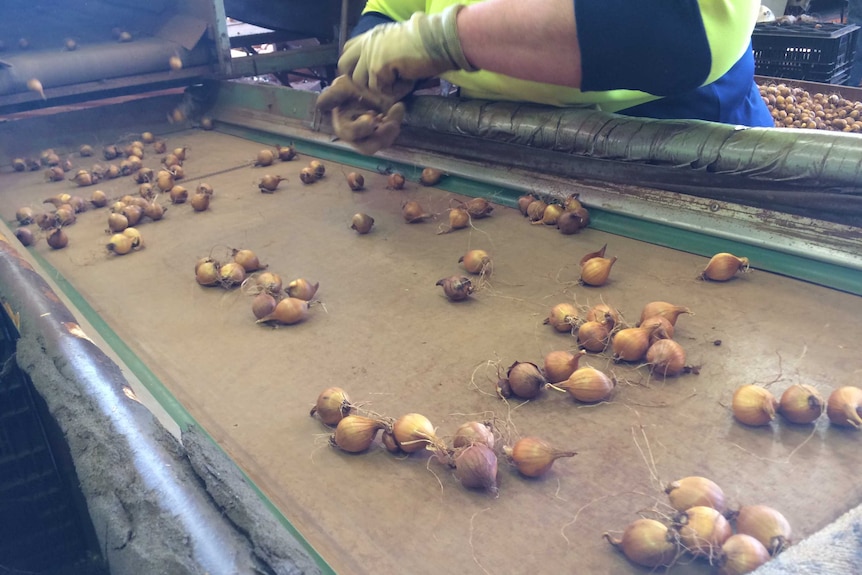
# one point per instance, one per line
(367, 121)
(389, 58)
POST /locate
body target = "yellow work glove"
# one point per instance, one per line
(367, 121)
(389, 58)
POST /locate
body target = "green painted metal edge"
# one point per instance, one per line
(793, 266)
(161, 394)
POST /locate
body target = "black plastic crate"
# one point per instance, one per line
(815, 52)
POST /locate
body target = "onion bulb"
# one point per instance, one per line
(473, 432)
(356, 433)
(306, 175)
(766, 525)
(19, 164)
(552, 215)
(595, 271)
(58, 239)
(413, 212)
(525, 379)
(332, 405)
(263, 305)
(648, 543)
(25, 236)
(723, 266)
(154, 210)
(559, 365)
(666, 358)
(801, 404)
(395, 181)
(573, 202)
(361, 223)
(265, 157)
(110, 152)
(355, 181)
(180, 153)
(148, 137)
(269, 184)
(845, 407)
(318, 168)
(164, 180)
(120, 244)
(456, 288)
(413, 432)
(604, 313)
(160, 146)
(24, 216)
(479, 208)
(178, 194)
(288, 311)
(536, 210)
(247, 259)
(476, 467)
(569, 223)
(231, 274)
(524, 202)
(695, 491)
(200, 202)
(476, 262)
(99, 199)
(533, 456)
(302, 289)
(207, 272)
(703, 530)
(204, 188)
(631, 344)
(754, 405)
(135, 235)
(667, 329)
(594, 336)
(459, 218)
(588, 385)
(286, 153)
(133, 214)
(270, 282)
(741, 554)
(563, 317)
(667, 310)
(430, 177)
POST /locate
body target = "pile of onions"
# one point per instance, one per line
(533, 457)
(754, 405)
(648, 543)
(332, 405)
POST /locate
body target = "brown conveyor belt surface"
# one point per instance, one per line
(387, 335)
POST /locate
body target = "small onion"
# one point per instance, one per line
(572, 202)
(604, 313)
(395, 181)
(533, 456)
(135, 235)
(361, 223)
(413, 212)
(413, 432)
(263, 305)
(302, 289)
(99, 199)
(332, 405)
(178, 194)
(569, 223)
(117, 222)
(479, 208)
(265, 157)
(754, 405)
(355, 181)
(525, 379)
(58, 239)
(524, 202)
(559, 365)
(25, 236)
(563, 317)
(200, 202)
(120, 244)
(356, 433)
(552, 215)
(19, 164)
(703, 530)
(595, 271)
(154, 210)
(231, 274)
(318, 168)
(632, 343)
(289, 311)
(286, 153)
(476, 262)
(456, 288)
(666, 310)
(430, 177)
(536, 210)
(766, 525)
(594, 336)
(204, 188)
(588, 385)
(666, 358)
(801, 404)
(476, 467)
(247, 259)
(133, 214)
(180, 153)
(473, 432)
(24, 216)
(695, 491)
(741, 554)
(269, 184)
(723, 266)
(648, 543)
(270, 282)
(207, 273)
(667, 329)
(844, 407)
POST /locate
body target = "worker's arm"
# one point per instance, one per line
(656, 46)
